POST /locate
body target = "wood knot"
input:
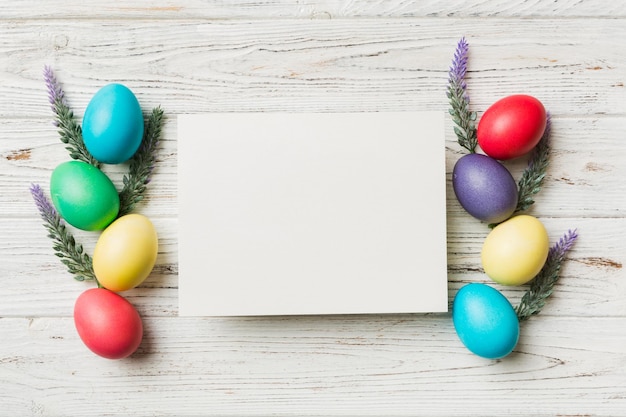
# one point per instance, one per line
(19, 155)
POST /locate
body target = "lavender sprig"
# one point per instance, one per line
(534, 174)
(464, 119)
(543, 284)
(70, 131)
(141, 164)
(71, 253)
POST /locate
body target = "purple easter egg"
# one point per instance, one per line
(484, 187)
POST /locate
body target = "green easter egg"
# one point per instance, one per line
(83, 195)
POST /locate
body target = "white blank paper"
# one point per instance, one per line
(284, 214)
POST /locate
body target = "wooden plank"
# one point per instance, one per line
(34, 283)
(306, 9)
(586, 159)
(30, 150)
(319, 65)
(317, 55)
(37, 284)
(306, 366)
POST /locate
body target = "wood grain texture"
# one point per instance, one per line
(292, 65)
(316, 55)
(36, 283)
(365, 365)
(586, 158)
(306, 9)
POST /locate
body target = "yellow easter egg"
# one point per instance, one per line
(515, 251)
(125, 253)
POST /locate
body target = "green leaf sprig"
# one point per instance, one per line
(463, 118)
(72, 254)
(70, 131)
(532, 178)
(542, 286)
(141, 164)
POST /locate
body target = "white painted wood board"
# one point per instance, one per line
(301, 56)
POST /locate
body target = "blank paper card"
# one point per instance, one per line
(311, 213)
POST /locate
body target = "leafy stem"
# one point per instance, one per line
(463, 118)
(543, 284)
(70, 131)
(534, 174)
(70, 252)
(141, 164)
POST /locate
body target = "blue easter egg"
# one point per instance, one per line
(485, 321)
(484, 187)
(113, 124)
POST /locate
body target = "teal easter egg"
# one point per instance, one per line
(83, 195)
(485, 321)
(113, 124)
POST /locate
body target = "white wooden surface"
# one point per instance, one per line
(317, 55)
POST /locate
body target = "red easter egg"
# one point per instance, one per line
(511, 127)
(107, 323)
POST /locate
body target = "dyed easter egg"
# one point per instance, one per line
(113, 124)
(83, 195)
(484, 188)
(515, 251)
(511, 127)
(107, 323)
(125, 253)
(485, 321)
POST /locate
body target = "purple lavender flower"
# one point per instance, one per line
(70, 252)
(70, 131)
(543, 284)
(55, 92)
(459, 64)
(558, 250)
(463, 118)
(46, 209)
